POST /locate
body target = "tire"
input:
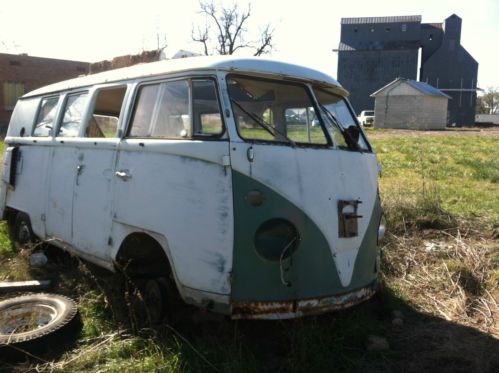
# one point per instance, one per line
(22, 231)
(31, 322)
(155, 298)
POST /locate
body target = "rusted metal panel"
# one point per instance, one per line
(303, 307)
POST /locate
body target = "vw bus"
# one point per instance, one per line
(246, 183)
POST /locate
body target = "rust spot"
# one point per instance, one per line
(272, 310)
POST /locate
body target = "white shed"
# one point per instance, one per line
(409, 104)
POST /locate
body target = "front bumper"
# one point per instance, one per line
(280, 310)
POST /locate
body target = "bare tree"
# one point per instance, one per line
(225, 30)
(488, 103)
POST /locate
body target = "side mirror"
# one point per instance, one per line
(353, 136)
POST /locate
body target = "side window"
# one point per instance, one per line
(303, 126)
(144, 109)
(205, 109)
(173, 120)
(349, 135)
(177, 110)
(46, 115)
(103, 121)
(162, 110)
(73, 113)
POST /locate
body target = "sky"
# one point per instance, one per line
(304, 32)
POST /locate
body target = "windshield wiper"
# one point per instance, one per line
(262, 123)
(346, 134)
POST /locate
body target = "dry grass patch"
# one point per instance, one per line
(446, 275)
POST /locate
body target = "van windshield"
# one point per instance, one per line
(275, 111)
(340, 122)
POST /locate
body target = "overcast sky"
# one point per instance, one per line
(305, 31)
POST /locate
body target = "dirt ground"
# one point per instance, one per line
(461, 131)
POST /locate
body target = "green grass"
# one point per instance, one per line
(454, 176)
(428, 183)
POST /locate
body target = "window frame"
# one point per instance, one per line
(222, 136)
(313, 102)
(5, 87)
(89, 112)
(56, 117)
(62, 109)
(352, 113)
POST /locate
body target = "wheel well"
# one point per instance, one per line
(141, 255)
(10, 215)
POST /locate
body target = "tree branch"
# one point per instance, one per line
(229, 30)
(266, 41)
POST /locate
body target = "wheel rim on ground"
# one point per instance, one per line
(27, 317)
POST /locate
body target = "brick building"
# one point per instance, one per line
(20, 74)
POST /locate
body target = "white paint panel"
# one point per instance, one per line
(315, 180)
(30, 192)
(92, 203)
(185, 199)
(62, 175)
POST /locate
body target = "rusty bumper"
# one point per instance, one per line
(290, 309)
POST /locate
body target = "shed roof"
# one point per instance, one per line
(420, 86)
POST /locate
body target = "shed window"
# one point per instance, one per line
(11, 92)
(404, 27)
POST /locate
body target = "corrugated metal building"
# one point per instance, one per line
(375, 50)
(408, 104)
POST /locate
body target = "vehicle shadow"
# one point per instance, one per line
(338, 342)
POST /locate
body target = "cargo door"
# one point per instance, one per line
(63, 171)
(94, 167)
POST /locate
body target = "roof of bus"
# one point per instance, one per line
(225, 63)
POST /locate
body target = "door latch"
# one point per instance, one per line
(348, 218)
(123, 175)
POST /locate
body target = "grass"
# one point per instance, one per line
(440, 270)
(440, 178)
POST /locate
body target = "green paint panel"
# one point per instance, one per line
(312, 271)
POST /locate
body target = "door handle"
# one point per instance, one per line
(123, 175)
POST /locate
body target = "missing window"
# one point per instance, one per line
(106, 112)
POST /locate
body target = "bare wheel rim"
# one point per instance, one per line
(27, 317)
